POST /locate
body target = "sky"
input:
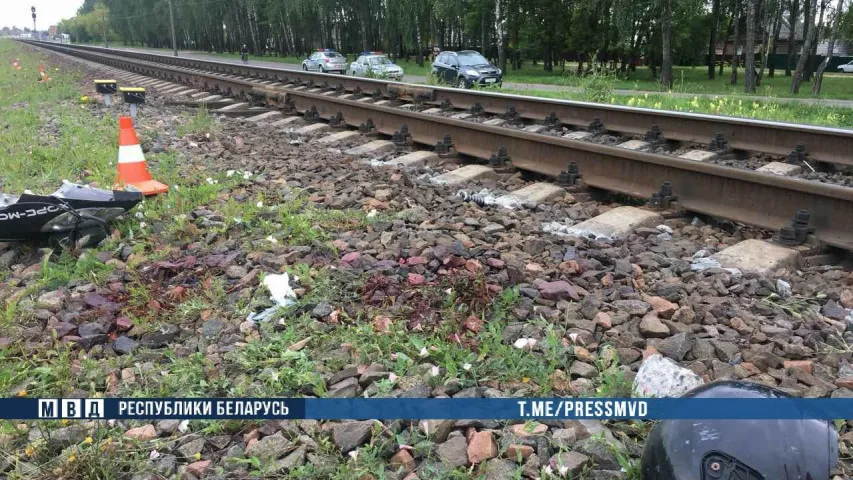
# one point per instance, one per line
(16, 13)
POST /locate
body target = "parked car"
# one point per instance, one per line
(465, 69)
(374, 64)
(325, 61)
(846, 68)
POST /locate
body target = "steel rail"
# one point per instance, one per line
(744, 196)
(825, 144)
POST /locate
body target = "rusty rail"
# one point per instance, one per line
(824, 144)
(744, 196)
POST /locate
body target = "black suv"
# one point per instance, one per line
(465, 68)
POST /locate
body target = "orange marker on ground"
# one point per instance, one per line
(132, 167)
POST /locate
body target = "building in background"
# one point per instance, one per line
(52, 32)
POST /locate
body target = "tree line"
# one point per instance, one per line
(611, 36)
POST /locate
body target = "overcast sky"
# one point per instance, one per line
(16, 13)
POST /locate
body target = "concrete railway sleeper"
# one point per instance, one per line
(709, 189)
(826, 145)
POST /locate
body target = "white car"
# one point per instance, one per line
(376, 65)
(325, 61)
(846, 68)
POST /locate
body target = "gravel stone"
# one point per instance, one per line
(347, 436)
(124, 345)
(661, 377)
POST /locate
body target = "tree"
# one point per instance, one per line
(666, 46)
(749, 48)
(601, 35)
(735, 58)
(774, 43)
(793, 14)
(804, 56)
(810, 65)
(712, 43)
(501, 31)
(725, 42)
(818, 81)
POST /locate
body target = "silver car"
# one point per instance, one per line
(325, 61)
(376, 65)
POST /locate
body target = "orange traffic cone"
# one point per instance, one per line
(132, 167)
(44, 76)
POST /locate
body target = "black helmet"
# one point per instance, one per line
(740, 449)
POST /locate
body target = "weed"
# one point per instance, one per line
(596, 87)
(45, 135)
(432, 79)
(199, 124)
(10, 312)
(612, 380)
(794, 305)
(41, 373)
(630, 466)
(276, 369)
(734, 106)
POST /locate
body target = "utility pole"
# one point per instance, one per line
(172, 20)
(104, 26)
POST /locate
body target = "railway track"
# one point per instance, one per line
(748, 197)
(828, 145)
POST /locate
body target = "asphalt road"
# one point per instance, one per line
(510, 85)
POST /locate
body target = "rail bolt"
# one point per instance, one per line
(512, 116)
(798, 155)
(596, 126)
(289, 105)
(368, 127)
(654, 135)
(718, 143)
(500, 159)
(444, 147)
(552, 121)
(402, 138)
(446, 105)
(787, 237)
(663, 198)
(311, 115)
(800, 224)
(571, 176)
(337, 121)
(477, 109)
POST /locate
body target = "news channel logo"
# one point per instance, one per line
(69, 408)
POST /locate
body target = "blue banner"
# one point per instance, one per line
(425, 408)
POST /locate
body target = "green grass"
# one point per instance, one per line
(46, 133)
(199, 124)
(691, 80)
(444, 351)
(687, 79)
(737, 106)
(265, 58)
